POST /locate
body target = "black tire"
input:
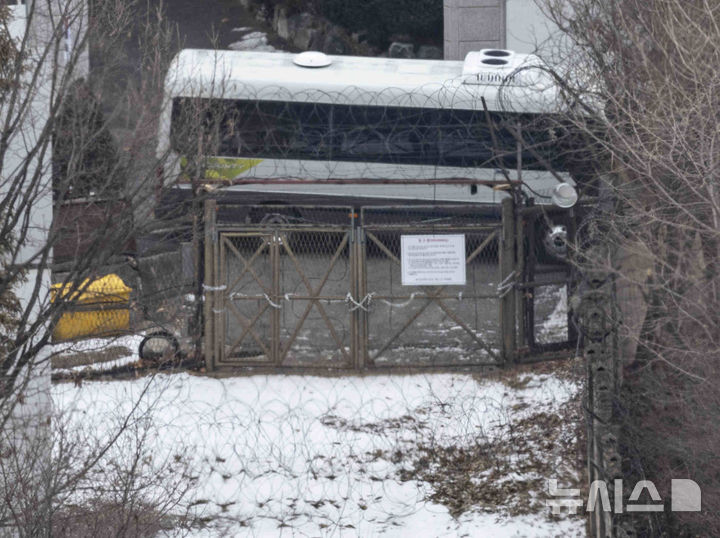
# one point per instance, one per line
(149, 354)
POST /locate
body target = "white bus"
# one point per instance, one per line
(280, 127)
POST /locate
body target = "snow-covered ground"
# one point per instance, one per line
(107, 353)
(294, 455)
(345, 456)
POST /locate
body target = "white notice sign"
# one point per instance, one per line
(432, 260)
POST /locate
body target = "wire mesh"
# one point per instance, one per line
(286, 297)
(546, 277)
(276, 216)
(431, 325)
(309, 285)
(286, 282)
(246, 275)
(321, 286)
(315, 274)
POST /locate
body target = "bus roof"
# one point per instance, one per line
(360, 80)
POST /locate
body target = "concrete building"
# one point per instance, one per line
(518, 25)
(44, 32)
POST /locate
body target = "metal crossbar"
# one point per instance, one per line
(227, 294)
(433, 296)
(345, 268)
(314, 296)
(247, 264)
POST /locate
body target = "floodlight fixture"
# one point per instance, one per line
(564, 195)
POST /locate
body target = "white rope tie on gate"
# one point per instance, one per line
(349, 298)
(327, 300)
(506, 285)
(214, 288)
(235, 295)
(223, 287)
(503, 292)
(404, 303)
(361, 305)
(270, 302)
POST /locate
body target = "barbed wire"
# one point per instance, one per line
(436, 131)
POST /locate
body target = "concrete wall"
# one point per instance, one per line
(473, 25)
(46, 16)
(26, 433)
(526, 26)
(469, 25)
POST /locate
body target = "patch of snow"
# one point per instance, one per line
(256, 41)
(554, 328)
(309, 456)
(97, 345)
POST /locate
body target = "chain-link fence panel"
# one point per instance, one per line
(245, 305)
(315, 270)
(283, 286)
(430, 325)
(545, 279)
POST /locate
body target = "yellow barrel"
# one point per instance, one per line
(95, 308)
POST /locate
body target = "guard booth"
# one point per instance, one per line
(441, 285)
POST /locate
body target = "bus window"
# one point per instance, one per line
(319, 131)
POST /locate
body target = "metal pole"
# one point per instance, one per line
(361, 289)
(352, 253)
(571, 286)
(276, 245)
(531, 262)
(209, 280)
(507, 277)
(519, 290)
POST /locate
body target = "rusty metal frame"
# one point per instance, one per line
(529, 268)
(314, 299)
(219, 301)
(224, 303)
(355, 235)
(433, 296)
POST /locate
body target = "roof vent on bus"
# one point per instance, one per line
(496, 53)
(482, 60)
(494, 61)
(492, 67)
(312, 58)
